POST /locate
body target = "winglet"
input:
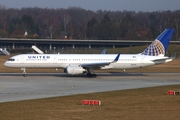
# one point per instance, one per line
(117, 58)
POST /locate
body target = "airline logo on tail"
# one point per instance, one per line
(154, 49)
(159, 46)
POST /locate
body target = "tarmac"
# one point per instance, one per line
(15, 87)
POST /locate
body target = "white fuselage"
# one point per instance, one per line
(125, 61)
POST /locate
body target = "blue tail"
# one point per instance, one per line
(159, 46)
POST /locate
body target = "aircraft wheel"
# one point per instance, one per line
(91, 75)
(94, 75)
(25, 75)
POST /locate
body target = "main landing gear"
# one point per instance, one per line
(24, 72)
(90, 73)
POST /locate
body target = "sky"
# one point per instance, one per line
(112, 5)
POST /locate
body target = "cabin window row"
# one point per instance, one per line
(98, 59)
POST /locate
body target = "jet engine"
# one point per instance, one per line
(74, 70)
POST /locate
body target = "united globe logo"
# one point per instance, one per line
(156, 48)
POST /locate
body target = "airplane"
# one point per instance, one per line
(104, 51)
(74, 64)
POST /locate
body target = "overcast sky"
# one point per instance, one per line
(113, 5)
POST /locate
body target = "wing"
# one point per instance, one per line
(99, 64)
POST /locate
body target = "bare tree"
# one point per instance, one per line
(51, 25)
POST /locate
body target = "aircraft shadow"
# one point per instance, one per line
(104, 74)
(66, 75)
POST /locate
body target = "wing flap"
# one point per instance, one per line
(93, 65)
(99, 64)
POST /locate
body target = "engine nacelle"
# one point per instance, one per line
(74, 70)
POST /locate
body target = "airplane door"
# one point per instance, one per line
(142, 61)
(22, 59)
(55, 60)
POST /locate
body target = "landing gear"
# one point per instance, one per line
(24, 72)
(24, 75)
(91, 73)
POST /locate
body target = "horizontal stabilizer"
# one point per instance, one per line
(163, 60)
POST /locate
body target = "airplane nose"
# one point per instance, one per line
(6, 64)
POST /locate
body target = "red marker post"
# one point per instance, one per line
(171, 92)
(91, 102)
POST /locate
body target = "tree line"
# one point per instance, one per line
(78, 23)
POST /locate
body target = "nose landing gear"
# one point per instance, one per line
(24, 72)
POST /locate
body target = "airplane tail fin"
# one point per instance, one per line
(159, 46)
(104, 51)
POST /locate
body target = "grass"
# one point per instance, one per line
(138, 104)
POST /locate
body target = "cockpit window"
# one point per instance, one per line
(11, 59)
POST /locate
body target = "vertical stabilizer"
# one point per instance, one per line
(159, 46)
(104, 51)
(4, 51)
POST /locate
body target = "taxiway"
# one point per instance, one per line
(15, 87)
